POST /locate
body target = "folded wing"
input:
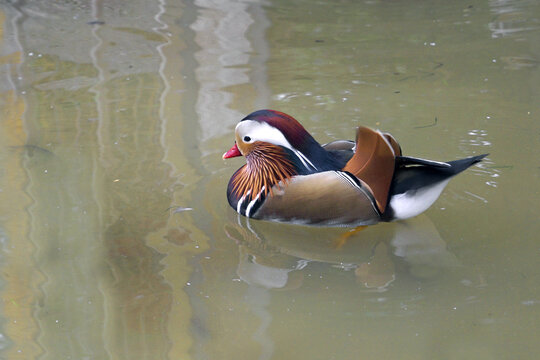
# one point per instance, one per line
(374, 162)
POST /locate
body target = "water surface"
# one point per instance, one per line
(116, 240)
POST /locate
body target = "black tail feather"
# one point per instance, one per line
(413, 173)
(462, 164)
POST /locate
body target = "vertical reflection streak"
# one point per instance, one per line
(231, 74)
(175, 128)
(96, 185)
(258, 76)
(15, 20)
(20, 290)
(259, 300)
(161, 70)
(101, 79)
(220, 31)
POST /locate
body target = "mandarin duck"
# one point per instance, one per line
(290, 177)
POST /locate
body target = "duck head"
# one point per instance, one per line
(266, 128)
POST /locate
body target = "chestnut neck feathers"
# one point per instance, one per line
(267, 165)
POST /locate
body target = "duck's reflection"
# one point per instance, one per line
(277, 256)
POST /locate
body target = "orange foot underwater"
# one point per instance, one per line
(342, 240)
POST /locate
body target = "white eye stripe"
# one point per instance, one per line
(261, 131)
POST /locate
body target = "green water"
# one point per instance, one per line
(114, 117)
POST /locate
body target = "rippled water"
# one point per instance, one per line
(116, 240)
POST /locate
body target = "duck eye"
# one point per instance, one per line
(247, 139)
